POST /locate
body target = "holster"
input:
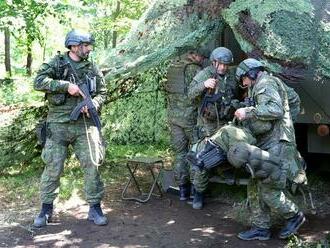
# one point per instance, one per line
(41, 132)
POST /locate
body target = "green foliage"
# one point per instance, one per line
(140, 117)
(18, 140)
(19, 92)
(114, 16)
(296, 242)
(22, 186)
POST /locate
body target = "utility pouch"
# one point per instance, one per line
(213, 157)
(91, 82)
(56, 99)
(210, 112)
(41, 132)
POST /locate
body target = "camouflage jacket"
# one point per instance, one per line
(271, 105)
(181, 110)
(54, 77)
(294, 102)
(226, 86)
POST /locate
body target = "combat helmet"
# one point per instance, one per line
(246, 67)
(222, 55)
(76, 37)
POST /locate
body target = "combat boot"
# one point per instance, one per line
(198, 201)
(184, 192)
(192, 192)
(292, 225)
(45, 215)
(255, 233)
(95, 214)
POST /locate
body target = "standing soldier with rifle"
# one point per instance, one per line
(216, 90)
(182, 112)
(72, 84)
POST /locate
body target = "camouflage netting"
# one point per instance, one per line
(18, 140)
(291, 37)
(167, 29)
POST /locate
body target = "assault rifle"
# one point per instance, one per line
(247, 102)
(210, 97)
(90, 105)
(84, 92)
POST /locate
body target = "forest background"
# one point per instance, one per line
(134, 121)
(32, 32)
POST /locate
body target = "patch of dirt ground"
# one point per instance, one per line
(160, 223)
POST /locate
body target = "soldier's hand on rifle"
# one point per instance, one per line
(240, 114)
(210, 83)
(73, 90)
(85, 110)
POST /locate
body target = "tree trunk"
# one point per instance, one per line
(7, 51)
(114, 32)
(29, 59)
(106, 38)
(114, 38)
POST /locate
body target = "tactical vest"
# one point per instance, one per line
(64, 71)
(177, 79)
(180, 109)
(61, 73)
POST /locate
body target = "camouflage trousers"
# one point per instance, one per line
(224, 137)
(180, 140)
(264, 197)
(201, 178)
(54, 154)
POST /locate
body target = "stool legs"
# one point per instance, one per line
(132, 169)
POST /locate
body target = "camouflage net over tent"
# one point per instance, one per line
(291, 36)
(168, 28)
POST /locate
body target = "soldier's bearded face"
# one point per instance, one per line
(221, 68)
(83, 50)
(247, 82)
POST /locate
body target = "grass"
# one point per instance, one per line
(19, 186)
(295, 242)
(24, 184)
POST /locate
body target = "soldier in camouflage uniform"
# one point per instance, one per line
(215, 89)
(271, 105)
(182, 112)
(58, 79)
